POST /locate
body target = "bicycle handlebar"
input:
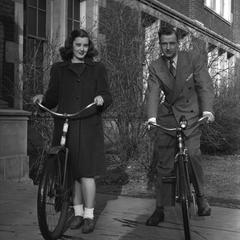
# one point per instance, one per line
(200, 121)
(65, 115)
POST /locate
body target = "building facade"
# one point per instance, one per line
(31, 31)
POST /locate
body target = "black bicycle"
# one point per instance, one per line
(55, 187)
(184, 193)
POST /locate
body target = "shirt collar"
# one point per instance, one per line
(175, 60)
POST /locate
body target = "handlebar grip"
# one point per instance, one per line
(203, 120)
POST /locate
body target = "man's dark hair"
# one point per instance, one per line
(66, 52)
(167, 30)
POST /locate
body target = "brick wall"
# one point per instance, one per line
(195, 10)
(181, 6)
(236, 21)
(211, 20)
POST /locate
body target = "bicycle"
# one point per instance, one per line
(181, 178)
(55, 187)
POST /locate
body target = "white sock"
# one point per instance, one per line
(78, 210)
(88, 213)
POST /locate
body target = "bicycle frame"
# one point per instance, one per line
(66, 117)
(181, 179)
(54, 191)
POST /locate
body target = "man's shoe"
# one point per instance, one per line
(204, 208)
(76, 222)
(156, 218)
(88, 225)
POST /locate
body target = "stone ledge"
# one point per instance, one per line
(13, 167)
(13, 112)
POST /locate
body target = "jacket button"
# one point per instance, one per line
(190, 88)
(77, 98)
(187, 101)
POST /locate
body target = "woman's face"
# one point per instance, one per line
(80, 48)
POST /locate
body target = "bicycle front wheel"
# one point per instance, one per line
(184, 197)
(186, 222)
(53, 200)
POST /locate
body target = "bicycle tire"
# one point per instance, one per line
(186, 219)
(184, 197)
(52, 204)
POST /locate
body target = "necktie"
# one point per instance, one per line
(172, 69)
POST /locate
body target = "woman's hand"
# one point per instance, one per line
(99, 100)
(38, 98)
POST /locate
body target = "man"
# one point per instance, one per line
(184, 79)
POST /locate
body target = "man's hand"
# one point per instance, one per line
(37, 98)
(99, 100)
(151, 120)
(209, 115)
(151, 129)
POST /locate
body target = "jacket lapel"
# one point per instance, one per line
(182, 73)
(166, 77)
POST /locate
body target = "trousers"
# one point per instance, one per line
(163, 164)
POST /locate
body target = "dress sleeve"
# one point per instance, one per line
(102, 86)
(51, 96)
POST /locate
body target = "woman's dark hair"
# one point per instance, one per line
(66, 52)
(167, 30)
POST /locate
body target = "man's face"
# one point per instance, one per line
(169, 45)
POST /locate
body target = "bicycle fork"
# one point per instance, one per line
(183, 187)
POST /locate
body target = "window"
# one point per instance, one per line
(221, 7)
(34, 40)
(36, 18)
(76, 14)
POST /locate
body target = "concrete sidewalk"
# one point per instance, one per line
(118, 217)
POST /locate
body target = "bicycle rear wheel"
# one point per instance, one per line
(53, 199)
(184, 192)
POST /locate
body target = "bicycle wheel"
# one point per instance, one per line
(184, 197)
(53, 199)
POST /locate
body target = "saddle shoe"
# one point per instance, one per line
(76, 223)
(204, 208)
(156, 217)
(88, 225)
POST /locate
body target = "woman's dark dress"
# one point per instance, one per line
(73, 86)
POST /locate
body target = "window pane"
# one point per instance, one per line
(41, 23)
(69, 27)
(214, 5)
(32, 21)
(39, 53)
(222, 8)
(208, 3)
(32, 3)
(76, 25)
(70, 6)
(76, 10)
(30, 49)
(42, 4)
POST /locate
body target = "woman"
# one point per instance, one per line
(74, 83)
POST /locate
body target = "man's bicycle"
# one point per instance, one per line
(55, 187)
(184, 193)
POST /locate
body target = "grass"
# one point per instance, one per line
(222, 180)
